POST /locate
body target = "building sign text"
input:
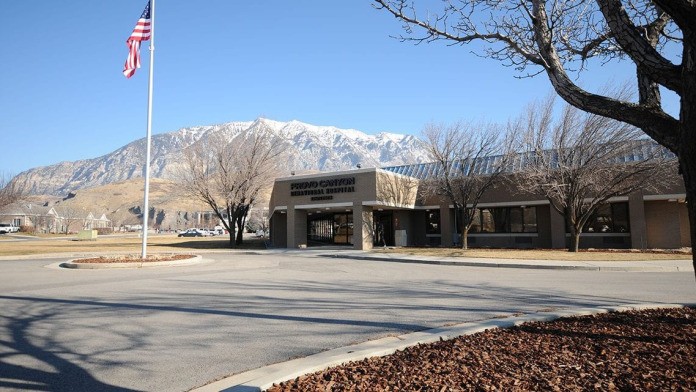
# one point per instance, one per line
(323, 187)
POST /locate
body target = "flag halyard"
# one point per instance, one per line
(140, 33)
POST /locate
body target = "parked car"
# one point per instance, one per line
(6, 228)
(194, 233)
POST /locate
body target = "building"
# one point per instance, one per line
(371, 207)
(46, 219)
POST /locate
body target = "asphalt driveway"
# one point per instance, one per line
(176, 328)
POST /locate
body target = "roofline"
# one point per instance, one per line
(329, 174)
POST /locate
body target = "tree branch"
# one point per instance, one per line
(653, 120)
(638, 48)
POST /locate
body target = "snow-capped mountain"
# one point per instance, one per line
(311, 147)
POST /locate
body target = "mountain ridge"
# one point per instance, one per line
(311, 148)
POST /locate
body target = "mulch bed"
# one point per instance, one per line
(651, 350)
(132, 259)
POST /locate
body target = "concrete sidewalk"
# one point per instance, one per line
(635, 266)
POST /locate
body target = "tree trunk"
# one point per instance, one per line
(687, 130)
(240, 229)
(691, 207)
(687, 163)
(465, 238)
(231, 231)
(574, 240)
(231, 234)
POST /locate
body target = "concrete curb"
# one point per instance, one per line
(467, 263)
(172, 263)
(263, 378)
(528, 265)
(67, 255)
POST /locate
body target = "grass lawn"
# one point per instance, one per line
(170, 243)
(121, 244)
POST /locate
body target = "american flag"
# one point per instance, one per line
(141, 32)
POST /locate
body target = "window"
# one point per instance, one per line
(476, 222)
(504, 220)
(432, 222)
(619, 212)
(487, 224)
(529, 220)
(516, 220)
(608, 218)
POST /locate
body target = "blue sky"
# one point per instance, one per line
(64, 98)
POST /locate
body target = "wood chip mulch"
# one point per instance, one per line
(132, 259)
(650, 350)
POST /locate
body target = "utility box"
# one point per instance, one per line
(87, 235)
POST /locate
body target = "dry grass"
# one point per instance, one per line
(119, 244)
(171, 243)
(543, 254)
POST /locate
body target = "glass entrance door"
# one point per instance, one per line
(329, 229)
(343, 229)
(320, 230)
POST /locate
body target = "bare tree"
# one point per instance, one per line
(258, 219)
(70, 216)
(42, 220)
(582, 160)
(11, 189)
(561, 37)
(228, 175)
(469, 162)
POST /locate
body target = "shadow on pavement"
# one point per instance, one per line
(30, 358)
(50, 370)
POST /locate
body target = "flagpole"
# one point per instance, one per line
(146, 207)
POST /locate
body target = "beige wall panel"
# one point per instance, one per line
(684, 228)
(396, 190)
(279, 231)
(662, 224)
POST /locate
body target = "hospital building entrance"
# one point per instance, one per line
(329, 229)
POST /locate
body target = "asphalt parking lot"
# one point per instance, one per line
(176, 328)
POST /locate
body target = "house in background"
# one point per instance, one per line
(33, 217)
(102, 223)
(46, 219)
(13, 214)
